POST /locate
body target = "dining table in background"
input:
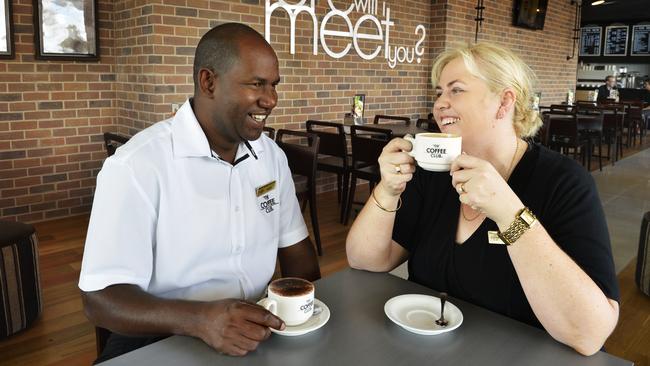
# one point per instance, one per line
(398, 129)
(359, 333)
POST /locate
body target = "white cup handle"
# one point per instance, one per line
(410, 139)
(270, 305)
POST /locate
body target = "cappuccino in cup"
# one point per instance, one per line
(435, 151)
(290, 299)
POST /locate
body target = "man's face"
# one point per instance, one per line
(611, 82)
(245, 95)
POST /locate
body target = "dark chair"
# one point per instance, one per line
(563, 134)
(427, 124)
(634, 122)
(367, 144)
(333, 156)
(590, 121)
(112, 141)
(642, 275)
(379, 117)
(270, 132)
(101, 337)
(613, 129)
(21, 302)
(301, 149)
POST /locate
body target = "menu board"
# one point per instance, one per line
(616, 40)
(640, 40)
(590, 41)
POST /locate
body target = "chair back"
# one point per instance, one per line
(561, 108)
(269, 131)
(562, 128)
(427, 124)
(613, 121)
(301, 149)
(591, 119)
(332, 139)
(378, 117)
(112, 141)
(367, 143)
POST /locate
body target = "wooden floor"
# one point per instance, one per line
(63, 336)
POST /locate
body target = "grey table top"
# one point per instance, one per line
(359, 333)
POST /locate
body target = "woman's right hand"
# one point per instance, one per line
(396, 167)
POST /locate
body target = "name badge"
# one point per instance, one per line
(262, 190)
(493, 238)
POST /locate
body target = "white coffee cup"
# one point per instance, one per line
(291, 299)
(435, 151)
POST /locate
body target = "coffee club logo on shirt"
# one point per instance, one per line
(393, 54)
(267, 204)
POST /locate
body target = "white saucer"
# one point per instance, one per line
(313, 323)
(418, 314)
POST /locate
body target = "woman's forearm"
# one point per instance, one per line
(369, 241)
(568, 303)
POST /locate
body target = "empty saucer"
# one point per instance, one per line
(418, 314)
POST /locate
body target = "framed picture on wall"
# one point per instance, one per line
(590, 41)
(6, 30)
(66, 30)
(616, 40)
(640, 40)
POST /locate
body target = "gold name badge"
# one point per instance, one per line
(261, 190)
(493, 238)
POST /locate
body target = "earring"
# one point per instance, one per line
(500, 113)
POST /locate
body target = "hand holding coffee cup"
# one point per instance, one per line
(396, 167)
(435, 151)
(291, 299)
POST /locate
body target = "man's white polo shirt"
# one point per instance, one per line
(177, 221)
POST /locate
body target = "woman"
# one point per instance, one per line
(558, 273)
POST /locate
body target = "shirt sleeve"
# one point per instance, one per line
(292, 225)
(405, 226)
(576, 222)
(120, 238)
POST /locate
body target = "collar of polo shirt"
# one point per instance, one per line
(188, 139)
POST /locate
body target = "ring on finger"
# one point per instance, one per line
(398, 169)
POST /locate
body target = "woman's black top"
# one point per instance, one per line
(560, 192)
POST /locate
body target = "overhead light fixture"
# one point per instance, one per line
(597, 2)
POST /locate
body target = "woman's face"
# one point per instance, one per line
(464, 104)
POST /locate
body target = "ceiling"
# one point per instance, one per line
(616, 11)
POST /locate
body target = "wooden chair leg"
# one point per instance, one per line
(600, 152)
(344, 199)
(313, 212)
(339, 178)
(350, 198)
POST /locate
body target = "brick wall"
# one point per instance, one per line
(544, 50)
(52, 113)
(51, 117)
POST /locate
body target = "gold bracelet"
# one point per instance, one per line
(399, 203)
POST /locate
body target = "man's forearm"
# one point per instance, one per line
(127, 310)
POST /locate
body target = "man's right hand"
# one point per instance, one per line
(236, 327)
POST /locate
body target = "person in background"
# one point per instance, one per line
(556, 271)
(605, 90)
(191, 214)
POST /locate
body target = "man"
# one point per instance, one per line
(190, 214)
(605, 89)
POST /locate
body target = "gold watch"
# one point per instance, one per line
(523, 221)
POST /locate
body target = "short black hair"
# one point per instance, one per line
(608, 76)
(647, 81)
(218, 49)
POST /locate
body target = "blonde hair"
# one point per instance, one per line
(499, 68)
